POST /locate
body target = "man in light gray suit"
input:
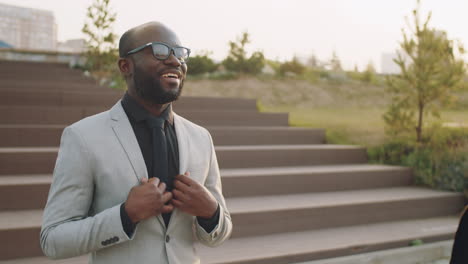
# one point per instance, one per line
(137, 183)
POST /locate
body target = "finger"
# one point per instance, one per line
(143, 180)
(166, 197)
(154, 181)
(162, 186)
(185, 179)
(178, 195)
(179, 185)
(167, 208)
(177, 203)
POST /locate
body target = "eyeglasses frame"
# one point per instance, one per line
(171, 50)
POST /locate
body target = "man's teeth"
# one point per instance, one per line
(170, 75)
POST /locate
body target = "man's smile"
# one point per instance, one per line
(172, 78)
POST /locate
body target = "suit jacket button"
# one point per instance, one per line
(168, 238)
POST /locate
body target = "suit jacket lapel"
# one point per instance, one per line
(124, 132)
(182, 143)
(183, 159)
(126, 136)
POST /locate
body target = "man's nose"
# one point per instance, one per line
(172, 60)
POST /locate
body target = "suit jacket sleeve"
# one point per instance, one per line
(67, 228)
(223, 229)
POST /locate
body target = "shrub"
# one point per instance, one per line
(440, 162)
(238, 61)
(293, 66)
(201, 64)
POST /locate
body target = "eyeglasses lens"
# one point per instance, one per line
(181, 53)
(160, 51)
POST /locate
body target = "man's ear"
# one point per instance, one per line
(125, 67)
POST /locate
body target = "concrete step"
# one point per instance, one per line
(33, 97)
(61, 76)
(49, 135)
(41, 160)
(431, 253)
(67, 115)
(232, 135)
(237, 182)
(325, 243)
(20, 192)
(27, 160)
(30, 135)
(105, 98)
(309, 179)
(291, 213)
(425, 254)
(51, 85)
(21, 230)
(45, 260)
(288, 155)
(33, 67)
(293, 247)
(12, 64)
(307, 211)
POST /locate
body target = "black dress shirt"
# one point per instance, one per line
(137, 116)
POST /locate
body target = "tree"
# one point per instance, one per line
(368, 75)
(102, 53)
(335, 62)
(356, 69)
(430, 72)
(237, 60)
(313, 62)
(293, 66)
(201, 63)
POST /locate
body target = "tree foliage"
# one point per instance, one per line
(200, 64)
(293, 66)
(369, 75)
(238, 61)
(335, 62)
(102, 53)
(430, 72)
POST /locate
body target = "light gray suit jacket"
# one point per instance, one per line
(99, 161)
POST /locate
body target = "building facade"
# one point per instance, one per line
(28, 28)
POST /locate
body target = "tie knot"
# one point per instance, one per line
(154, 122)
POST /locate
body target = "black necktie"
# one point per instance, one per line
(160, 163)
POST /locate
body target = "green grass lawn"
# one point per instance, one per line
(351, 113)
(350, 125)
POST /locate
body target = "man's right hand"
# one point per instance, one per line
(148, 199)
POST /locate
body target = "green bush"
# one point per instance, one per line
(201, 64)
(440, 162)
(293, 66)
(238, 61)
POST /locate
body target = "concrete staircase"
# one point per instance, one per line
(292, 197)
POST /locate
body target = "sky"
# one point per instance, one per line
(359, 31)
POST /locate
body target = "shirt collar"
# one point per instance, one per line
(138, 113)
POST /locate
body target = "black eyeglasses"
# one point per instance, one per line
(162, 51)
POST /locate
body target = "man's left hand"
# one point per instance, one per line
(192, 198)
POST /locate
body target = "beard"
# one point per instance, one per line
(150, 89)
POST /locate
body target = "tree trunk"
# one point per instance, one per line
(420, 123)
